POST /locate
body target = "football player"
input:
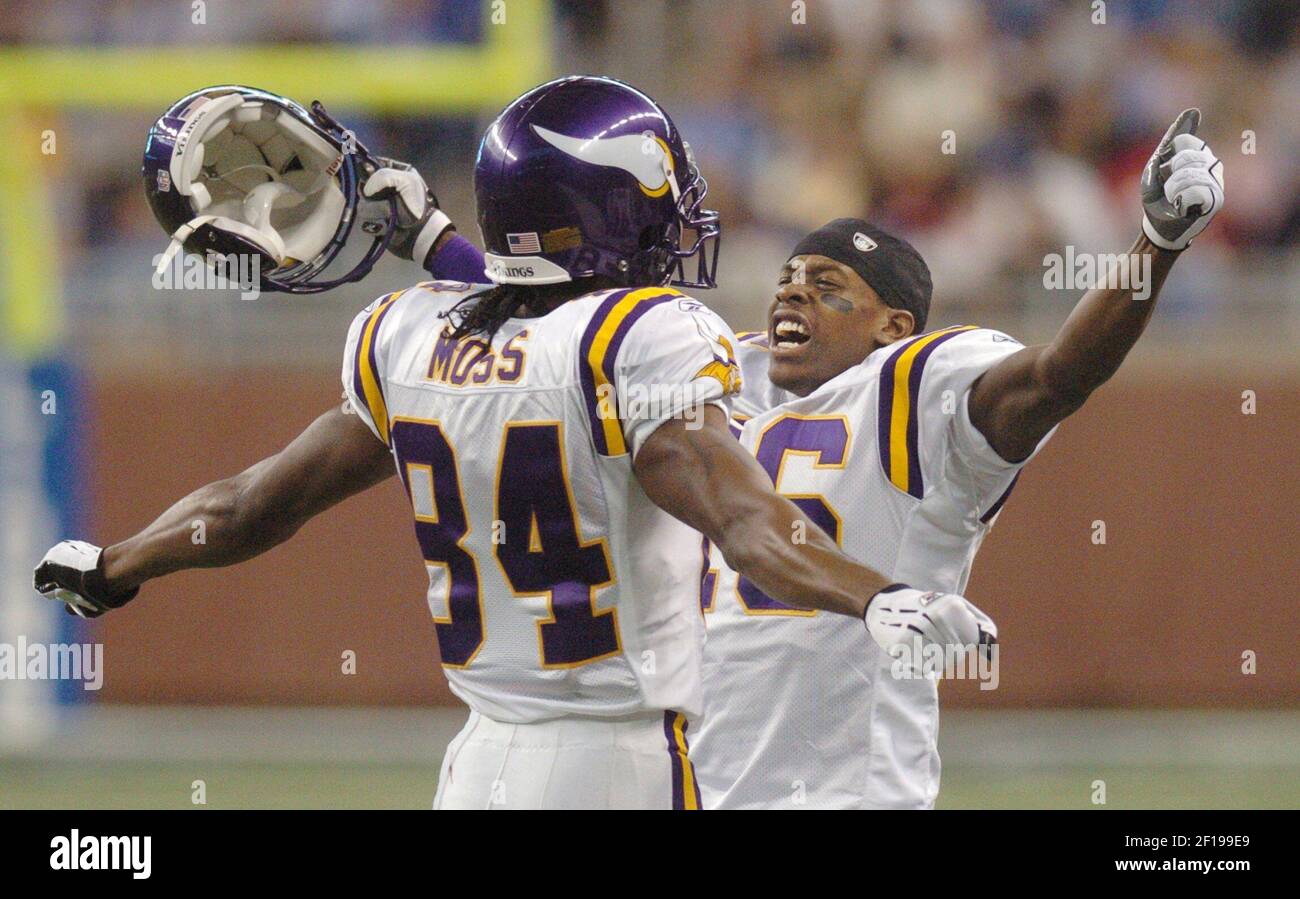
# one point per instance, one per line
(562, 435)
(903, 448)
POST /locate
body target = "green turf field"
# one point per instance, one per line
(149, 758)
(39, 784)
(1126, 787)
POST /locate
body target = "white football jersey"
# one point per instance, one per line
(556, 586)
(800, 706)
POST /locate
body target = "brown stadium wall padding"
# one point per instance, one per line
(1199, 564)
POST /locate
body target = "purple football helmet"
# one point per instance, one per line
(588, 176)
(236, 170)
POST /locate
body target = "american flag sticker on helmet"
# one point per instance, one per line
(525, 244)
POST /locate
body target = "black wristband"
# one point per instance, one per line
(890, 588)
(96, 586)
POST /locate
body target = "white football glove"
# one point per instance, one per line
(1182, 185)
(898, 615)
(419, 220)
(72, 573)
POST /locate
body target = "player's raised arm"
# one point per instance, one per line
(1019, 400)
(424, 233)
(700, 474)
(244, 516)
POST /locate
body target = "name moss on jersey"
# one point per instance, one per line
(557, 588)
(801, 709)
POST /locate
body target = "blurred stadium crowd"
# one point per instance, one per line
(1051, 118)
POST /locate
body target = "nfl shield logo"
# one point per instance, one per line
(164, 180)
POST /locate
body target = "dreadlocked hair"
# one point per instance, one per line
(486, 311)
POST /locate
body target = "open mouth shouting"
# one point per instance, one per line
(790, 332)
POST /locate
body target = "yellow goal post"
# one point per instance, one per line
(432, 78)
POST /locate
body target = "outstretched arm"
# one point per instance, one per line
(259, 508)
(243, 516)
(704, 477)
(425, 234)
(1016, 402)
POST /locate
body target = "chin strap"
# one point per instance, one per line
(177, 244)
(264, 240)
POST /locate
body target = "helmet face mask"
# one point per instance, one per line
(587, 176)
(235, 170)
(706, 226)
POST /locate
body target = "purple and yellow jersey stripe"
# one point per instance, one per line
(708, 579)
(899, 418)
(737, 424)
(753, 338)
(686, 790)
(366, 382)
(598, 354)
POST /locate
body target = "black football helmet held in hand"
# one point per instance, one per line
(236, 170)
